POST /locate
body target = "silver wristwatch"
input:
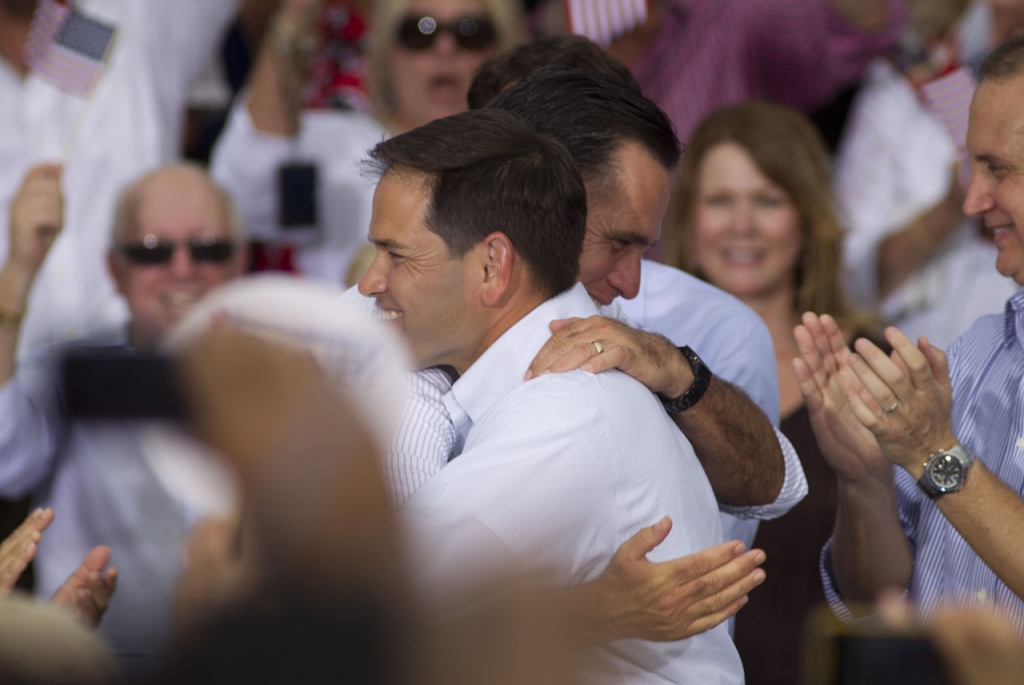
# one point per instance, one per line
(945, 471)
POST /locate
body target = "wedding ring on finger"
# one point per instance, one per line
(598, 346)
(889, 410)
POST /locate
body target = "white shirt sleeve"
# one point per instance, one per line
(894, 163)
(424, 440)
(30, 429)
(794, 488)
(183, 36)
(245, 161)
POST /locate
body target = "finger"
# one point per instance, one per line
(642, 542)
(616, 357)
(879, 375)
(809, 388)
(714, 619)
(96, 559)
(812, 322)
(36, 522)
(15, 564)
(710, 566)
(937, 361)
(560, 355)
(868, 418)
(561, 324)
(742, 582)
(810, 357)
(915, 363)
(835, 339)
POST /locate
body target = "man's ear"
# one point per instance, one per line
(118, 270)
(499, 260)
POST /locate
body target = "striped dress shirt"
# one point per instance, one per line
(986, 367)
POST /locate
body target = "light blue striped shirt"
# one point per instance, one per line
(986, 367)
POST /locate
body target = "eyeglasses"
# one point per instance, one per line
(470, 33)
(151, 251)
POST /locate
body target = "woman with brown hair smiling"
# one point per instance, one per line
(753, 213)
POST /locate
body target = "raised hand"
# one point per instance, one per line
(37, 217)
(19, 548)
(86, 594)
(827, 382)
(909, 398)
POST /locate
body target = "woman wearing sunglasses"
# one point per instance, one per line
(422, 59)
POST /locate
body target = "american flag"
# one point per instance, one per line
(67, 47)
(604, 20)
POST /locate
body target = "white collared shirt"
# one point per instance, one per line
(731, 339)
(557, 472)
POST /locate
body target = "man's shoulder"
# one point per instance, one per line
(667, 291)
(581, 398)
(685, 309)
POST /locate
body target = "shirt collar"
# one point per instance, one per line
(1014, 317)
(502, 366)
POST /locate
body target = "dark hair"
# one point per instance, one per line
(592, 115)
(572, 52)
(488, 172)
(1005, 61)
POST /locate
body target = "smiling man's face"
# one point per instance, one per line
(417, 285)
(995, 143)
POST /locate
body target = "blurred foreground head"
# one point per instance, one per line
(41, 644)
(264, 361)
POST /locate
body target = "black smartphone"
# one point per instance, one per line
(111, 383)
(297, 187)
(887, 660)
(840, 654)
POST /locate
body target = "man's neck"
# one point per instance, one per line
(13, 37)
(503, 319)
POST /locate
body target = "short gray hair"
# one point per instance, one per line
(126, 208)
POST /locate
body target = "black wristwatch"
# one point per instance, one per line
(945, 471)
(701, 381)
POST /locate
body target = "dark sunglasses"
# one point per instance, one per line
(203, 249)
(470, 33)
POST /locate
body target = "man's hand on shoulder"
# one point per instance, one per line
(671, 600)
(597, 344)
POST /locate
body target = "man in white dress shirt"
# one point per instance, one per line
(478, 225)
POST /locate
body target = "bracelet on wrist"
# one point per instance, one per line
(9, 320)
(289, 42)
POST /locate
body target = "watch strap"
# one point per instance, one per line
(693, 394)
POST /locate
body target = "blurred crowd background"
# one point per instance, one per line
(823, 170)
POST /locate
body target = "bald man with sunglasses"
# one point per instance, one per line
(175, 237)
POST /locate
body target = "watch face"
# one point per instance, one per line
(946, 472)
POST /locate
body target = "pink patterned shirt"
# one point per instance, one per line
(712, 53)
